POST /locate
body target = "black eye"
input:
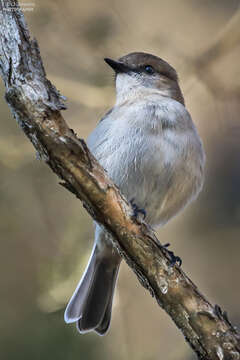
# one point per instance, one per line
(149, 69)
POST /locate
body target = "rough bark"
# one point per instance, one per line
(35, 103)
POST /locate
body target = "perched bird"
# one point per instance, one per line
(151, 150)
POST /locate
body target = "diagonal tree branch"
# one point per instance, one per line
(35, 103)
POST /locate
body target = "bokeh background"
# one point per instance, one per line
(46, 235)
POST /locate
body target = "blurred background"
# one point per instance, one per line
(46, 235)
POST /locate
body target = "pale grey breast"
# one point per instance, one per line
(151, 150)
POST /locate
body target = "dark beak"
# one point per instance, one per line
(117, 66)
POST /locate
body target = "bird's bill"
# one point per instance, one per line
(117, 66)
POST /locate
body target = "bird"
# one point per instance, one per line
(150, 148)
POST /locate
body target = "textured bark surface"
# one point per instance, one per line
(35, 103)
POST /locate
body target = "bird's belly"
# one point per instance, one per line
(162, 195)
(158, 181)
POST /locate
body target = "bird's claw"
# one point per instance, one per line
(137, 210)
(174, 260)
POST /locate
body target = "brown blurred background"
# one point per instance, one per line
(46, 235)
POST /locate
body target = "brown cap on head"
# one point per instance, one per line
(153, 72)
(137, 59)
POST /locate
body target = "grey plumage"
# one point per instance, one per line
(150, 148)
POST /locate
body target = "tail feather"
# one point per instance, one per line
(91, 303)
(76, 303)
(104, 324)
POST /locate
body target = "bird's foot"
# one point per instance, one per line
(173, 259)
(137, 211)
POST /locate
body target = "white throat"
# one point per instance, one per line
(129, 87)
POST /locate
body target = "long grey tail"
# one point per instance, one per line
(91, 304)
